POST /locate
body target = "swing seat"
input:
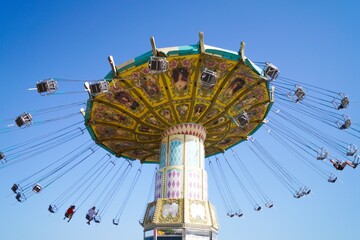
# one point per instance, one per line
(297, 94)
(306, 191)
(97, 219)
(257, 208)
(116, 221)
(37, 188)
(299, 194)
(351, 150)
(52, 208)
(332, 178)
(344, 103)
(271, 72)
(157, 64)
(346, 124)
(24, 120)
(2, 158)
(356, 160)
(15, 188)
(239, 214)
(350, 153)
(20, 197)
(322, 154)
(208, 78)
(300, 94)
(230, 214)
(99, 87)
(242, 119)
(47, 87)
(269, 204)
(88, 217)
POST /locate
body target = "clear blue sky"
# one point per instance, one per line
(316, 42)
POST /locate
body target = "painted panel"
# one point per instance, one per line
(169, 211)
(194, 184)
(163, 155)
(192, 151)
(174, 183)
(176, 153)
(158, 185)
(202, 154)
(205, 184)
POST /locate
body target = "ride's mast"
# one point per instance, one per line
(181, 209)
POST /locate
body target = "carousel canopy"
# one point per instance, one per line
(219, 89)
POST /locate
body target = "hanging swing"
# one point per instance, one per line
(37, 188)
(208, 78)
(356, 160)
(322, 153)
(157, 65)
(231, 214)
(116, 221)
(257, 208)
(242, 119)
(15, 188)
(98, 87)
(47, 87)
(305, 190)
(270, 71)
(344, 102)
(345, 124)
(20, 197)
(2, 157)
(269, 204)
(299, 193)
(351, 150)
(297, 94)
(24, 120)
(239, 213)
(97, 219)
(332, 178)
(52, 208)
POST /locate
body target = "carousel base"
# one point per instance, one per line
(180, 234)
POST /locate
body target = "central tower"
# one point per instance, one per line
(181, 209)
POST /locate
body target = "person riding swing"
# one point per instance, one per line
(90, 215)
(70, 212)
(341, 165)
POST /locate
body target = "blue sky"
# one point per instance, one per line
(315, 42)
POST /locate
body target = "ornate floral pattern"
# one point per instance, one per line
(141, 105)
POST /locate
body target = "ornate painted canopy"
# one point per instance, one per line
(128, 120)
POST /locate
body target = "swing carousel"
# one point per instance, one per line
(175, 107)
